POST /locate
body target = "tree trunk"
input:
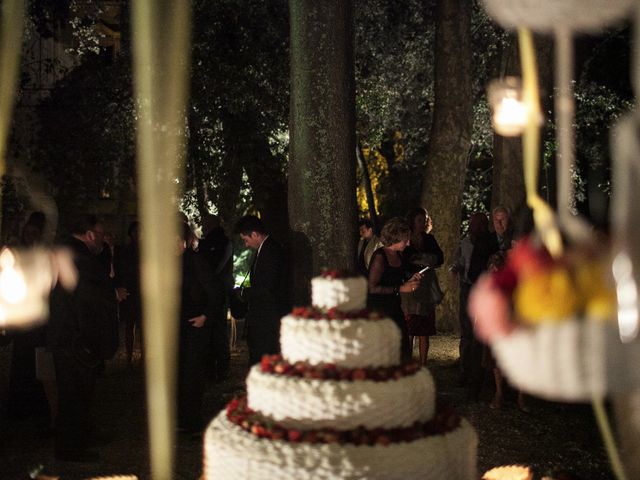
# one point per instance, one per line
(229, 191)
(199, 185)
(508, 177)
(507, 188)
(322, 173)
(225, 192)
(450, 140)
(268, 184)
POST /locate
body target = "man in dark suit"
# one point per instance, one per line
(501, 219)
(82, 333)
(267, 297)
(127, 282)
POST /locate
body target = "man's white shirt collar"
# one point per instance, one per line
(260, 247)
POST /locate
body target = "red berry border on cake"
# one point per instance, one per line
(335, 274)
(314, 313)
(277, 365)
(445, 420)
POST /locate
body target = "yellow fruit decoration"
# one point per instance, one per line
(546, 296)
(598, 295)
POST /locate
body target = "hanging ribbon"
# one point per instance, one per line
(543, 215)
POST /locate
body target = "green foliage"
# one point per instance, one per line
(239, 91)
(489, 46)
(394, 94)
(84, 16)
(237, 122)
(477, 194)
(394, 80)
(597, 109)
(239, 101)
(87, 136)
(242, 264)
(394, 72)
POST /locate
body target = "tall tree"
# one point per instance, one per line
(322, 164)
(238, 120)
(450, 139)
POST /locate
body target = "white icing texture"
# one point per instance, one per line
(231, 453)
(351, 343)
(303, 403)
(306, 404)
(344, 294)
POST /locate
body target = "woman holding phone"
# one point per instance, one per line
(419, 306)
(387, 276)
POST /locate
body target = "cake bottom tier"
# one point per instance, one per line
(232, 453)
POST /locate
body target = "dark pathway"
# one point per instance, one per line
(120, 413)
(552, 436)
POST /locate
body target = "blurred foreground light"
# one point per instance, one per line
(508, 110)
(13, 288)
(627, 293)
(115, 477)
(509, 472)
(26, 279)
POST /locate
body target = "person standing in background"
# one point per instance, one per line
(501, 219)
(387, 277)
(418, 306)
(200, 300)
(30, 360)
(218, 252)
(268, 296)
(127, 282)
(470, 261)
(368, 244)
(82, 333)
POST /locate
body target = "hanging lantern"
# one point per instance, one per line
(546, 15)
(26, 278)
(508, 110)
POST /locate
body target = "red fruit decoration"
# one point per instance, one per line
(526, 258)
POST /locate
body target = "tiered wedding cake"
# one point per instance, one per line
(338, 403)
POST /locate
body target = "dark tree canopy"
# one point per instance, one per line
(238, 119)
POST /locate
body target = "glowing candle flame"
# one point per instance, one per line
(510, 117)
(509, 111)
(13, 288)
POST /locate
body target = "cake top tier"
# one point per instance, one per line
(335, 289)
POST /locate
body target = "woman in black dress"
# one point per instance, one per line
(419, 307)
(387, 277)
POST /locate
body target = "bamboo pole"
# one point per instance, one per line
(12, 24)
(161, 50)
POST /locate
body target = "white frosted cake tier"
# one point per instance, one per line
(305, 403)
(350, 343)
(232, 453)
(345, 294)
